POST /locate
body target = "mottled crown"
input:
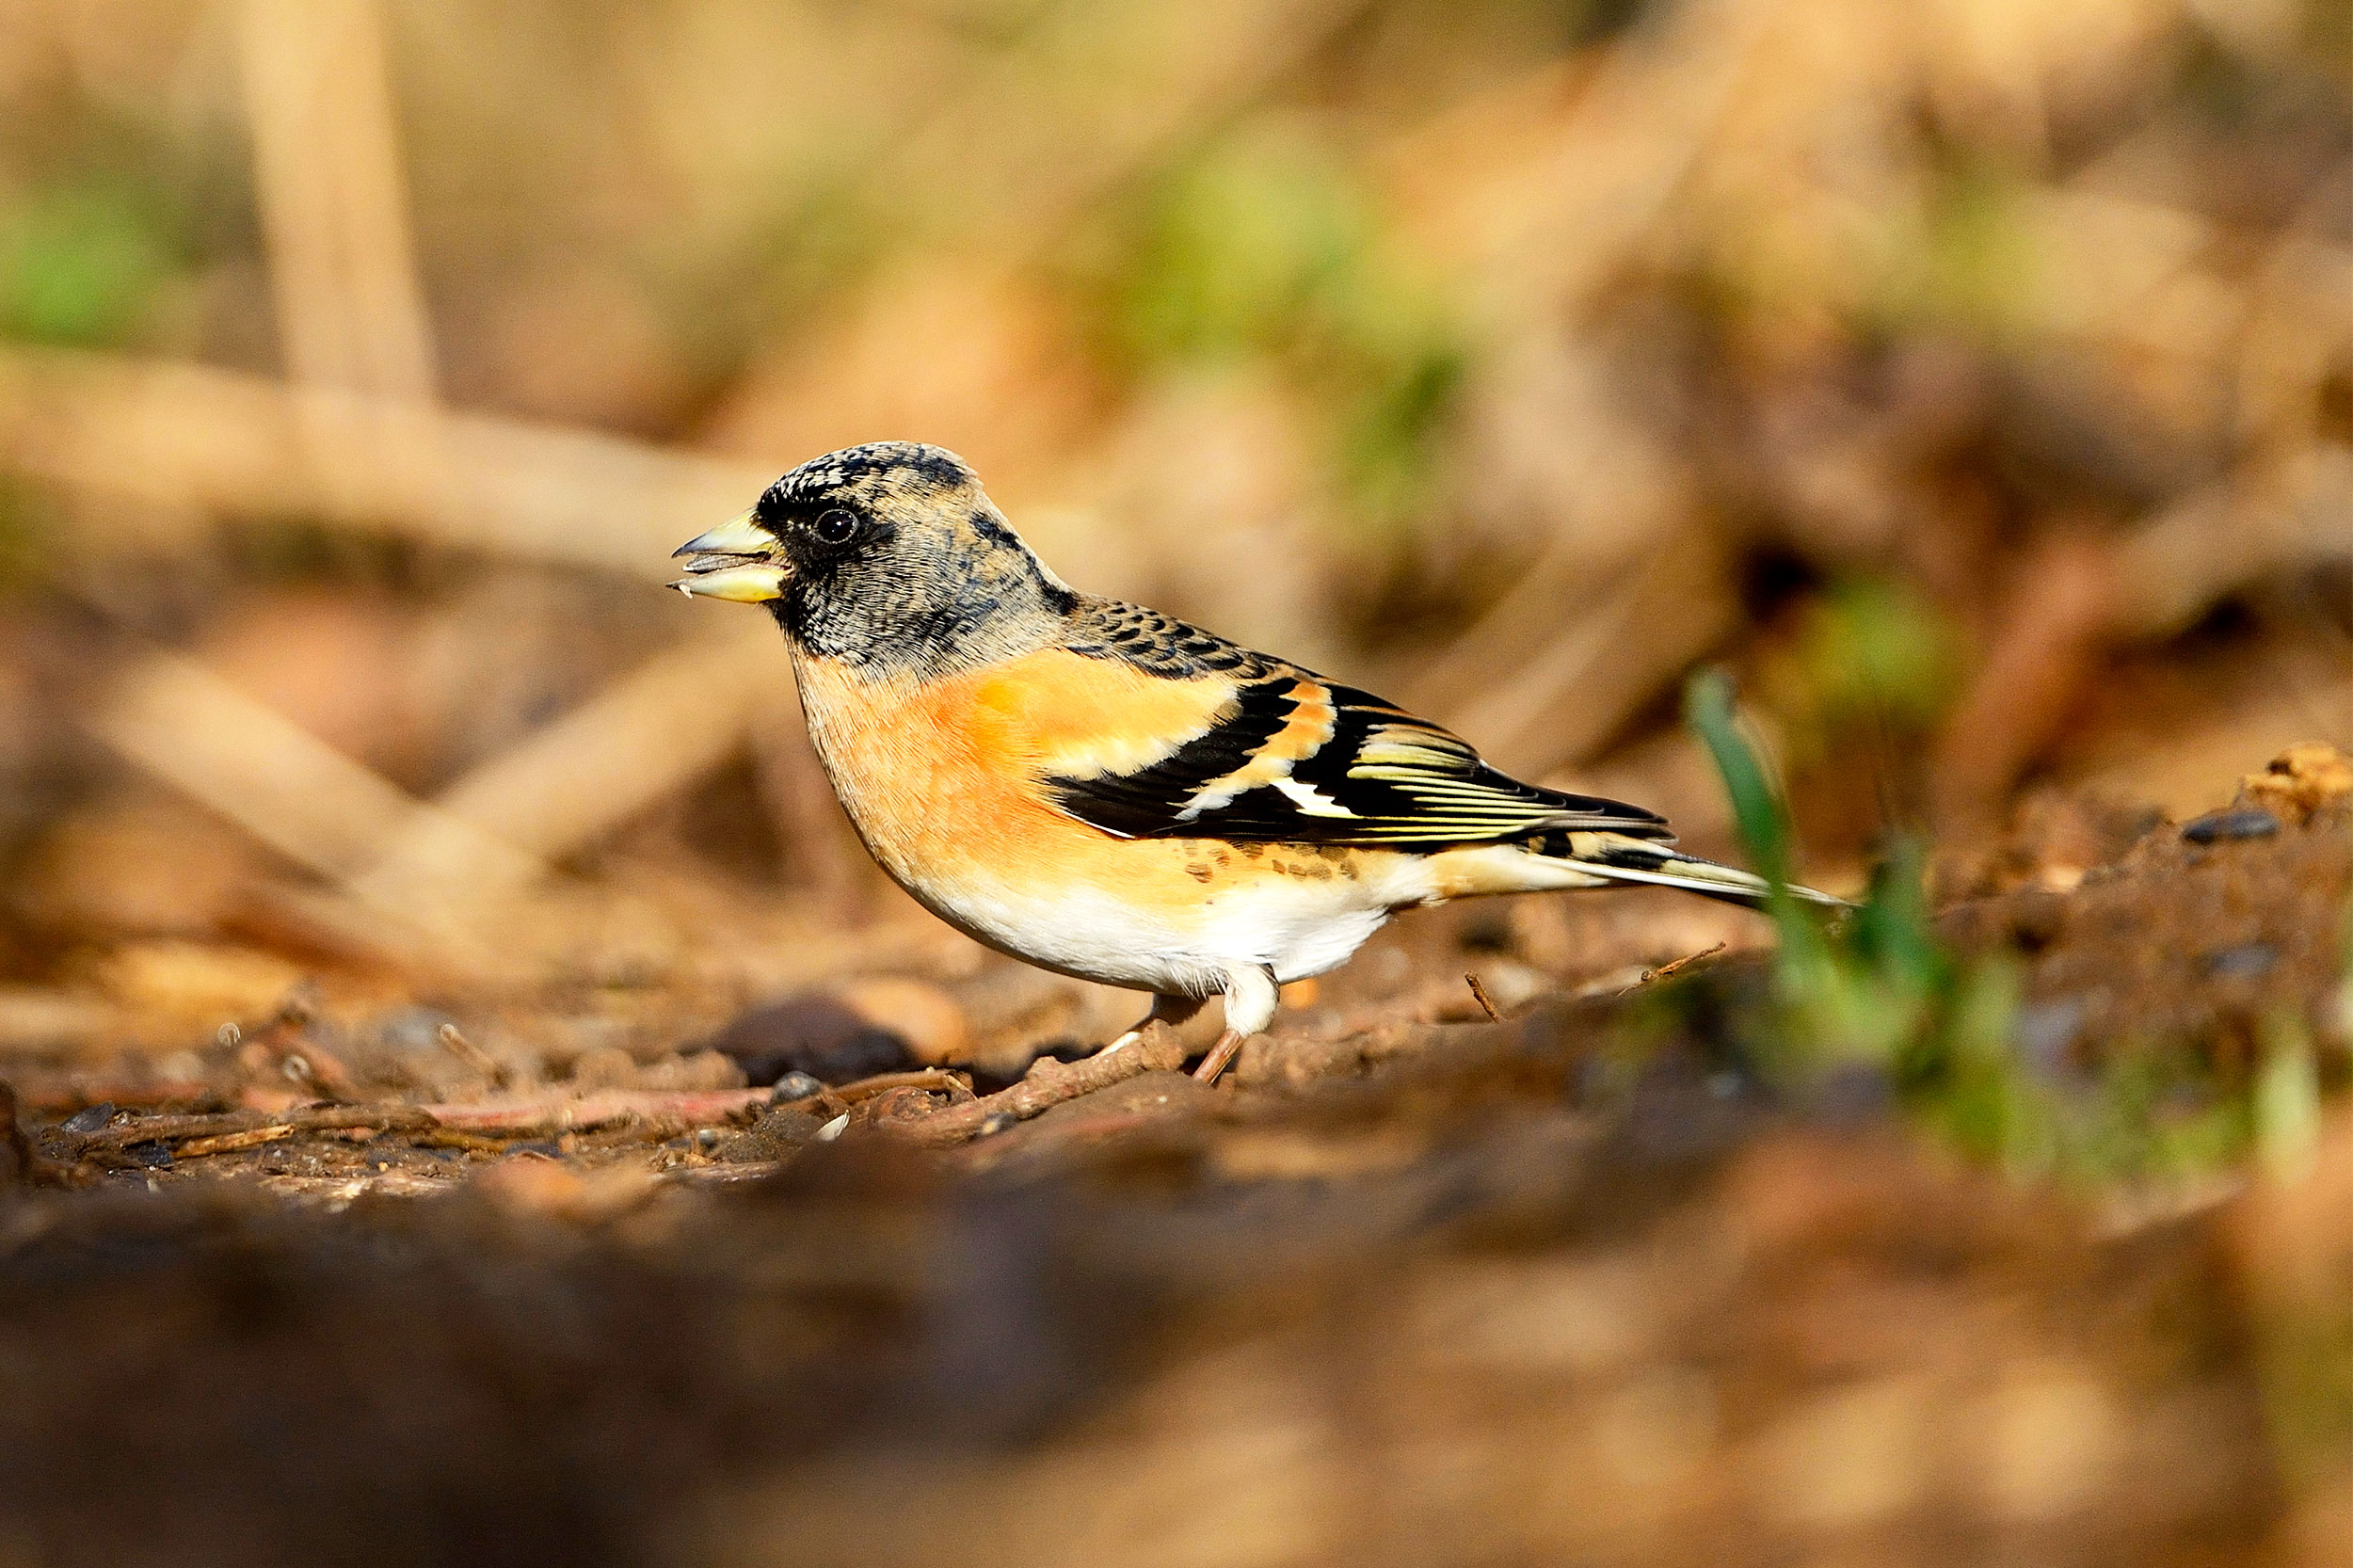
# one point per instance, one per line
(876, 472)
(934, 578)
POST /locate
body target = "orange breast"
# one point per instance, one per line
(943, 782)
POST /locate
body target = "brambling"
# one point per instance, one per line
(1113, 794)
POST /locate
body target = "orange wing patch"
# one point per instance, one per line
(1071, 717)
(1313, 718)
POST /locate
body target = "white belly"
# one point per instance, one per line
(1296, 928)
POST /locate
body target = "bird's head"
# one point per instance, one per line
(887, 556)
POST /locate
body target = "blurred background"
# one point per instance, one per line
(1973, 377)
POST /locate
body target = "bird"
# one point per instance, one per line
(1108, 792)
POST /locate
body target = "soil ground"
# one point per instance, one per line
(1580, 1284)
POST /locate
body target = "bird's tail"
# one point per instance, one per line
(1621, 857)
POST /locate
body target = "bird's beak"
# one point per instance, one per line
(734, 561)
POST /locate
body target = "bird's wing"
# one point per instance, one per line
(1161, 646)
(1273, 753)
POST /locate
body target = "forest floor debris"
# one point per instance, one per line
(1411, 1267)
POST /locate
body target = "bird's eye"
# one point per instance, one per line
(835, 526)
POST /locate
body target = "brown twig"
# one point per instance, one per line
(953, 1084)
(537, 1115)
(228, 1143)
(1676, 966)
(470, 1143)
(454, 1041)
(1048, 1084)
(212, 1128)
(724, 1174)
(622, 1133)
(837, 1099)
(1479, 995)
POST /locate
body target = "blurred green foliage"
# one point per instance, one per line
(1875, 988)
(83, 261)
(1268, 246)
(1258, 244)
(1974, 261)
(1873, 657)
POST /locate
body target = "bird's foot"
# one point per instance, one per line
(1219, 1054)
(1154, 1039)
(1168, 1011)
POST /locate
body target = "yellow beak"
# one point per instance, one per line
(732, 562)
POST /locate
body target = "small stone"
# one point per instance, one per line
(2240, 822)
(814, 1033)
(83, 1123)
(794, 1086)
(776, 1135)
(154, 1154)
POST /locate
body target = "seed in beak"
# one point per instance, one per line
(741, 582)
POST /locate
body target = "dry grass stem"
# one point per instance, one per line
(181, 437)
(334, 196)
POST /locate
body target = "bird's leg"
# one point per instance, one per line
(1172, 1011)
(1250, 998)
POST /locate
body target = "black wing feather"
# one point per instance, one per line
(1384, 780)
(1145, 804)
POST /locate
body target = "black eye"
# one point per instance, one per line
(835, 526)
